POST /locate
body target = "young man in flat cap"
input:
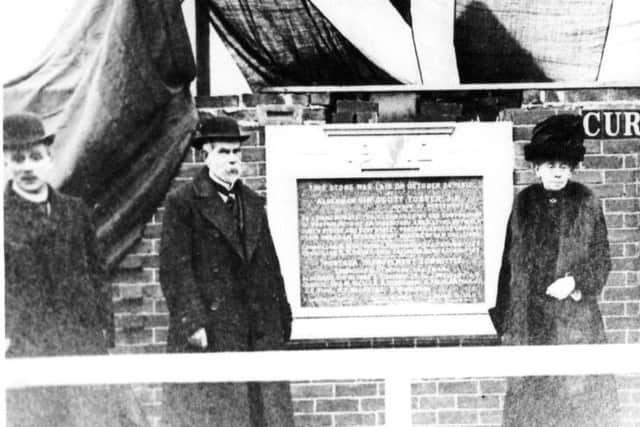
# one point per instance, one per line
(57, 302)
(221, 278)
(555, 264)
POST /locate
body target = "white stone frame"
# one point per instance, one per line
(389, 150)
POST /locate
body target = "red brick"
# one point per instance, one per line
(478, 402)
(150, 262)
(160, 335)
(137, 337)
(436, 402)
(491, 417)
(374, 404)
(612, 308)
(609, 190)
(632, 309)
(616, 249)
(522, 132)
(631, 235)
(355, 420)
(421, 418)
(631, 161)
(152, 231)
(617, 279)
(457, 387)
(631, 220)
(614, 220)
(302, 406)
(380, 419)
(356, 390)
(457, 417)
(144, 246)
(621, 264)
(152, 291)
(418, 389)
(493, 386)
(160, 306)
(616, 337)
(253, 140)
(337, 405)
(311, 390)
(628, 382)
(631, 250)
(133, 276)
(593, 146)
(253, 169)
(603, 162)
(622, 294)
(626, 146)
(588, 176)
(622, 322)
(622, 205)
(313, 420)
(251, 154)
(525, 177)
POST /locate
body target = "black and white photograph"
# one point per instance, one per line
(293, 213)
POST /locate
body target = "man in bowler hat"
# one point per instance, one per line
(57, 301)
(221, 278)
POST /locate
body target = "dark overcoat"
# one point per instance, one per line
(57, 301)
(219, 271)
(551, 235)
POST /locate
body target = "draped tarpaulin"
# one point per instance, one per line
(113, 87)
(289, 42)
(523, 40)
(312, 42)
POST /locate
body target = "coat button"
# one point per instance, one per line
(214, 306)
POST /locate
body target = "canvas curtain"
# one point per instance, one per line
(324, 42)
(113, 87)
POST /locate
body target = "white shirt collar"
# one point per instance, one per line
(40, 197)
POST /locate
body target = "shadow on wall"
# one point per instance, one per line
(487, 53)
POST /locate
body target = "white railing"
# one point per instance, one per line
(398, 367)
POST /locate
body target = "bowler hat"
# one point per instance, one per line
(559, 138)
(216, 129)
(23, 130)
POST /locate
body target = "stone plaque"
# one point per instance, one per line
(382, 242)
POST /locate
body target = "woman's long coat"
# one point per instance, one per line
(552, 235)
(219, 271)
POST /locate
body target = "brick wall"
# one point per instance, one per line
(610, 168)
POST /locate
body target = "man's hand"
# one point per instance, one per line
(562, 288)
(7, 344)
(199, 339)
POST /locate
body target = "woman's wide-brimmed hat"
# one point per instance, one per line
(23, 130)
(559, 138)
(216, 129)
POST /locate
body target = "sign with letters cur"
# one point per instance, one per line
(389, 229)
(609, 124)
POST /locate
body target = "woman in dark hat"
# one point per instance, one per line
(554, 266)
